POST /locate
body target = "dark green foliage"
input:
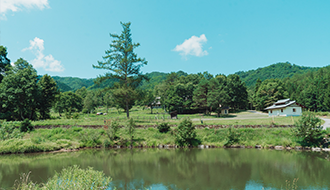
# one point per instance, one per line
(268, 92)
(124, 65)
(112, 130)
(232, 137)
(186, 134)
(309, 129)
(8, 130)
(278, 70)
(218, 94)
(163, 127)
(72, 83)
(19, 92)
(4, 62)
(237, 92)
(68, 102)
(131, 129)
(90, 138)
(47, 97)
(26, 126)
(200, 96)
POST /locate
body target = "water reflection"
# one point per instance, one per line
(180, 168)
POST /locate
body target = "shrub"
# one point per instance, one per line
(8, 130)
(75, 115)
(112, 130)
(163, 127)
(90, 138)
(186, 134)
(232, 137)
(309, 129)
(26, 126)
(76, 178)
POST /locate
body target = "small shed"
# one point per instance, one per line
(225, 110)
(285, 107)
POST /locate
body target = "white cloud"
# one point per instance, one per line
(192, 46)
(18, 5)
(48, 62)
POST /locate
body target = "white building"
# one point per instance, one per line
(285, 108)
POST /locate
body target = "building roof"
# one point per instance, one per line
(282, 104)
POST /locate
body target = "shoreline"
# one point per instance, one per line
(171, 147)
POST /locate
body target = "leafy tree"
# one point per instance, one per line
(4, 62)
(218, 94)
(148, 99)
(124, 65)
(269, 92)
(108, 100)
(200, 96)
(68, 102)
(90, 101)
(82, 92)
(237, 92)
(48, 94)
(309, 129)
(19, 91)
(186, 134)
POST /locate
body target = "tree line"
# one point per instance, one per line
(311, 89)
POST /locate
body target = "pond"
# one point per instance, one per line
(180, 168)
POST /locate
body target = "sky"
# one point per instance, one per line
(65, 38)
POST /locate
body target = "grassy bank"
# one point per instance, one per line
(144, 117)
(43, 140)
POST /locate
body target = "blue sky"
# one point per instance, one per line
(64, 38)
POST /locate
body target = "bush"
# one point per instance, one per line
(309, 129)
(90, 138)
(112, 130)
(75, 115)
(26, 126)
(232, 137)
(8, 130)
(186, 134)
(76, 178)
(163, 127)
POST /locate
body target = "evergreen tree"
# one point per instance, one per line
(48, 94)
(4, 62)
(200, 96)
(217, 96)
(124, 65)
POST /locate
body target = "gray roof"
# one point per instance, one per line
(274, 106)
(282, 101)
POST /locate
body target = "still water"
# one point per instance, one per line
(241, 169)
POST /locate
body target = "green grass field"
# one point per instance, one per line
(144, 117)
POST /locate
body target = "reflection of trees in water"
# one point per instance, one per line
(179, 168)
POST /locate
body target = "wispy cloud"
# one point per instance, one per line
(48, 62)
(192, 46)
(19, 5)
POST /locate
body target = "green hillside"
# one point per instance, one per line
(278, 70)
(72, 83)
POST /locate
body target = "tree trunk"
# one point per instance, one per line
(127, 111)
(151, 108)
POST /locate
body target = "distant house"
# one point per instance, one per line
(225, 110)
(285, 107)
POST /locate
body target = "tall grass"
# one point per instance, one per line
(73, 178)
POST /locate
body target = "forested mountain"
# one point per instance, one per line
(73, 83)
(278, 70)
